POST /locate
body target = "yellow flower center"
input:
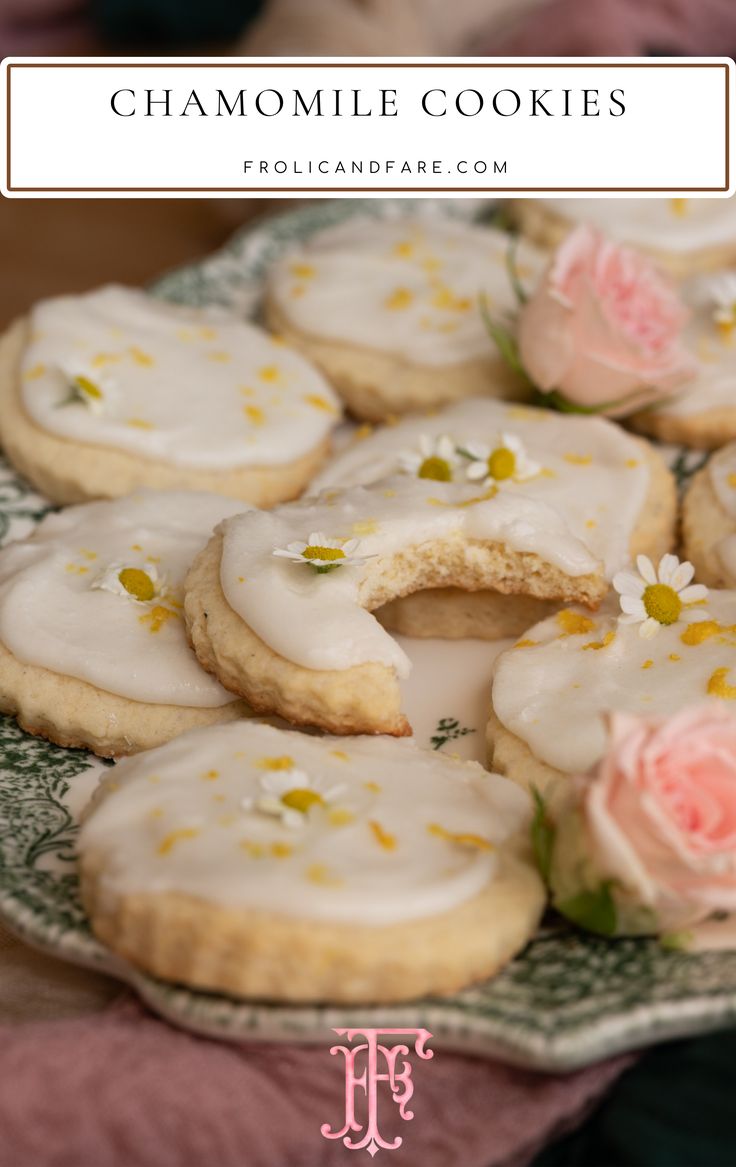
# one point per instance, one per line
(301, 798)
(502, 464)
(88, 387)
(137, 583)
(435, 468)
(314, 552)
(662, 603)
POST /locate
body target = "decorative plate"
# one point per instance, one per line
(566, 1001)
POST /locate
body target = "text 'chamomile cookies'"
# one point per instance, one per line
(390, 310)
(264, 863)
(685, 235)
(671, 646)
(702, 414)
(106, 392)
(279, 604)
(611, 491)
(93, 649)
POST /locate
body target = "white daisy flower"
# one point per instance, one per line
(659, 597)
(137, 583)
(435, 458)
(501, 461)
(83, 389)
(324, 554)
(722, 289)
(289, 795)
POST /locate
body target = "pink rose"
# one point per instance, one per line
(660, 814)
(603, 328)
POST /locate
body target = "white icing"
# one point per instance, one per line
(337, 869)
(676, 225)
(553, 693)
(196, 388)
(403, 287)
(53, 615)
(714, 383)
(722, 473)
(599, 497)
(317, 620)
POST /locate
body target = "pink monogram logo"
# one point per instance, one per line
(361, 1109)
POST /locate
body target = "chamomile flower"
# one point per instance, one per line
(502, 461)
(83, 389)
(290, 795)
(723, 293)
(323, 554)
(434, 458)
(655, 597)
(137, 583)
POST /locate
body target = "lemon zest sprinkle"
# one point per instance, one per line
(399, 299)
(718, 686)
(157, 618)
(598, 644)
(384, 838)
(179, 836)
(320, 874)
(280, 762)
(463, 839)
(574, 623)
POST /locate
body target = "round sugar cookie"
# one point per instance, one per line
(684, 235)
(703, 413)
(263, 863)
(390, 310)
(709, 520)
(613, 492)
(553, 689)
(113, 390)
(279, 603)
(93, 648)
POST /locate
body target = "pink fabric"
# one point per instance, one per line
(620, 28)
(122, 1087)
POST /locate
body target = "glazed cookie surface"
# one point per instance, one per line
(390, 310)
(266, 863)
(703, 413)
(553, 690)
(686, 235)
(115, 389)
(279, 605)
(92, 639)
(612, 492)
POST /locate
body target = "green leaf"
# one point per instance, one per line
(503, 340)
(676, 941)
(543, 835)
(594, 911)
(513, 271)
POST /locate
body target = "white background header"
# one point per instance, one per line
(466, 126)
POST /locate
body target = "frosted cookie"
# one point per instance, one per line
(389, 310)
(279, 604)
(113, 390)
(685, 235)
(670, 644)
(264, 863)
(93, 649)
(613, 493)
(709, 520)
(703, 413)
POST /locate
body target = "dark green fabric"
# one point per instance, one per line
(675, 1108)
(172, 22)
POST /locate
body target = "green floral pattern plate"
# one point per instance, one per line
(566, 1001)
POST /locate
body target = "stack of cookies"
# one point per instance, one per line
(221, 581)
